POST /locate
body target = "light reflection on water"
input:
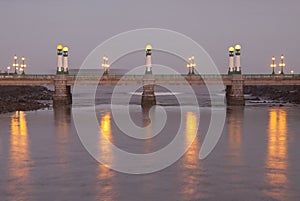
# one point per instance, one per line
(235, 123)
(19, 158)
(106, 176)
(62, 117)
(188, 179)
(276, 161)
(190, 159)
(148, 128)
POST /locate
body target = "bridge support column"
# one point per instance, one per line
(235, 91)
(62, 93)
(148, 96)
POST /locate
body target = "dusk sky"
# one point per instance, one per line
(33, 28)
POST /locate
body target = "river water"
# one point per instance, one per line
(256, 158)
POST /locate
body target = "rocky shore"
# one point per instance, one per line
(284, 94)
(14, 98)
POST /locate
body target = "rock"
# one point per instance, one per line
(25, 98)
(289, 94)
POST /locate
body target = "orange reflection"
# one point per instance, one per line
(19, 156)
(105, 174)
(191, 127)
(148, 128)
(146, 117)
(276, 162)
(235, 117)
(62, 119)
(62, 122)
(190, 159)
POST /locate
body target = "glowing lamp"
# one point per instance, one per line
(148, 47)
(231, 49)
(237, 47)
(59, 47)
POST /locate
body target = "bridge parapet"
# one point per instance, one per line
(260, 76)
(25, 80)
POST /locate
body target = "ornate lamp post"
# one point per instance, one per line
(8, 68)
(148, 59)
(273, 65)
(23, 65)
(59, 48)
(105, 65)
(281, 64)
(292, 72)
(191, 65)
(238, 59)
(231, 60)
(65, 60)
(15, 64)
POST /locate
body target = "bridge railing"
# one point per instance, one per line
(253, 76)
(110, 76)
(26, 76)
(118, 76)
(162, 76)
(39, 76)
(196, 75)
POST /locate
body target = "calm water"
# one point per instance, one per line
(257, 157)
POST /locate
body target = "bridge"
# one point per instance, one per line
(234, 80)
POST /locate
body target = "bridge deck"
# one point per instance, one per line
(249, 79)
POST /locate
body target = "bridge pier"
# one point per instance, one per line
(148, 96)
(62, 92)
(235, 91)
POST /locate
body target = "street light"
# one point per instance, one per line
(191, 65)
(281, 64)
(23, 65)
(15, 64)
(292, 72)
(238, 59)
(231, 60)
(273, 65)
(8, 68)
(105, 64)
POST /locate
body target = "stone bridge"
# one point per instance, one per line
(63, 83)
(234, 80)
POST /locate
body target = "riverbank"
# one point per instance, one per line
(14, 98)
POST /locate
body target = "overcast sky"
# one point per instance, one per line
(264, 28)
